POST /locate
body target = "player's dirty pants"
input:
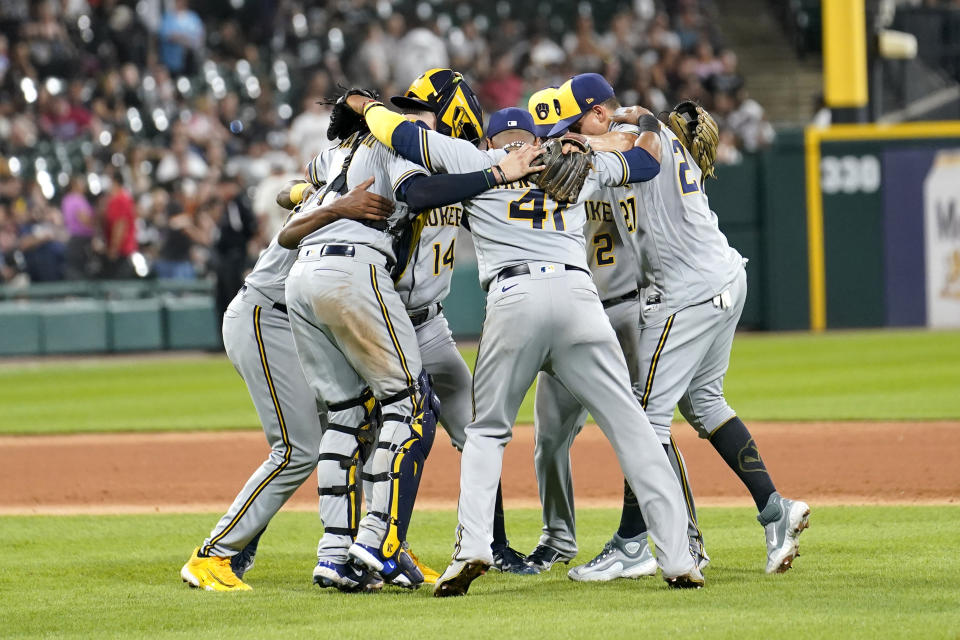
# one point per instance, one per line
(684, 359)
(351, 333)
(451, 377)
(554, 321)
(555, 405)
(259, 344)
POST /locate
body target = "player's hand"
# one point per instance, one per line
(630, 114)
(517, 164)
(284, 199)
(360, 204)
(357, 101)
(569, 147)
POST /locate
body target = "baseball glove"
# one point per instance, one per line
(344, 121)
(697, 130)
(565, 172)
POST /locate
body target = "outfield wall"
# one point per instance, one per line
(845, 226)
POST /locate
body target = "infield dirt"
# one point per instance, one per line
(825, 463)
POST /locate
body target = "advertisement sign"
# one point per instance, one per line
(941, 198)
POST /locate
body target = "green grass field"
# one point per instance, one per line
(865, 572)
(869, 375)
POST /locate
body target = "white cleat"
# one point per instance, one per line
(620, 558)
(783, 520)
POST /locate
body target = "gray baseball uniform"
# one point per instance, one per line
(354, 338)
(694, 287)
(423, 286)
(558, 415)
(543, 313)
(694, 290)
(257, 338)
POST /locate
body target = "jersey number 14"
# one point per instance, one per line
(442, 258)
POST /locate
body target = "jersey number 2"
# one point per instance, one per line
(442, 258)
(604, 244)
(683, 169)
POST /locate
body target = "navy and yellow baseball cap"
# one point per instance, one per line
(544, 106)
(577, 95)
(510, 118)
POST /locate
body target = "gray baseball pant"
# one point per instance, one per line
(258, 342)
(352, 332)
(552, 320)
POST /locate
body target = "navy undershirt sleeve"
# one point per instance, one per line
(641, 166)
(423, 192)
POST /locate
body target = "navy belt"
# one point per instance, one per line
(345, 250)
(423, 315)
(524, 269)
(609, 302)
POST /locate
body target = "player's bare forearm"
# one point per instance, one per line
(612, 141)
(357, 204)
(649, 142)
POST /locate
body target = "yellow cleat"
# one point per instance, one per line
(429, 575)
(211, 574)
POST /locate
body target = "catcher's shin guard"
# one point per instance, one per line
(405, 442)
(343, 450)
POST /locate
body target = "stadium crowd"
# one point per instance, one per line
(148, 137)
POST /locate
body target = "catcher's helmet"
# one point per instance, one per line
(447, 94)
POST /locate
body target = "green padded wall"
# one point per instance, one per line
(19, 329)
(74, 326)
(135, 325)
(191, 323)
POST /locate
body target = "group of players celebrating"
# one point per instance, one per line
(608, 281)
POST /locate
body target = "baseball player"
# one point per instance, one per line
(358, 349)
(542, 313)
(693, 291)
(257, 338)
(557, 413)
(425, 283)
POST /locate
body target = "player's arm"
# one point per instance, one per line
(297, 191)
(427, 148)
(356, 204)
(648, 125)
(422, 192)
(612, 141)
(615, 169)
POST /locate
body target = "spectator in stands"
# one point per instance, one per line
(51, 51)
(270, 215)
(181, 162)
(64, 121)
(183, 230)
(42, 237)
(181, 38)
(237, 226)
(119, 229)
(420, 49)
(583, 46)
(503, 87)
(80, 220)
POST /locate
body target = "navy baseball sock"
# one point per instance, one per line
(733, 442)
(631, 520)
(632, 523)
(499, 526)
